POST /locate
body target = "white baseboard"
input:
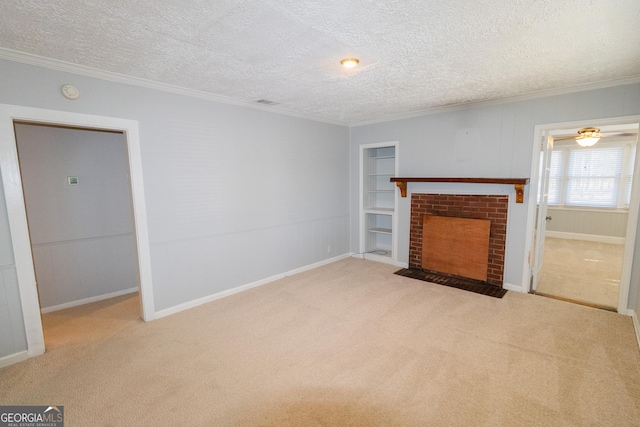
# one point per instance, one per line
(379, 258)
(514, 288)
(191, 304)
(21, 356)
(587, 237)
(87, 300)
(14, 358)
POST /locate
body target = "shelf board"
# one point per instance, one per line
(383, 211)
(372, 253)
(380, 230)
(380, 191)
(518, 183)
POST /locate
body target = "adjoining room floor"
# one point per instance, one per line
(582, 271)
(90, 323)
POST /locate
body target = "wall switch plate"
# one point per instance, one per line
(72, 180)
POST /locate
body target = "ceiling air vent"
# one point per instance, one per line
(266, 102)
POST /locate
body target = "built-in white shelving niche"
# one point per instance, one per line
(378, 201)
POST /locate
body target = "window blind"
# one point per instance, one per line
(593, 177)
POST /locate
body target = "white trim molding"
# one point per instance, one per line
(69, 67)
(14, 358)
(21, 243)
(83, 301)
(500, 101)
(368, 256)
(82, 70)
(209, 298)
(514, 288)
(586, 237)
(634, 206)
(636, 324)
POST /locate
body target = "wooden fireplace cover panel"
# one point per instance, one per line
(458, 246)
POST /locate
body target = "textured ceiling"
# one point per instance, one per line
(414, 55)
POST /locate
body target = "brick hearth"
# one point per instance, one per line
(491, 207)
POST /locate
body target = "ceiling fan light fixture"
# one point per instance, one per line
(350, 62)
(588, 137)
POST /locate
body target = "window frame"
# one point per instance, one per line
(624, 177)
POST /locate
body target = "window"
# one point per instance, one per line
(591, 177)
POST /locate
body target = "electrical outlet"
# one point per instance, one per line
(329, 249)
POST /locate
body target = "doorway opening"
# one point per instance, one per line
(25, 272)
(586, 210)
(78, 203)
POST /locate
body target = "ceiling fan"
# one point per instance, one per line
(587, 137)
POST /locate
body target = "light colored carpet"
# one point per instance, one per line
(347, 344)
(583, 271)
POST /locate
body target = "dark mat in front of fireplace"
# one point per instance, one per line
(465, 284)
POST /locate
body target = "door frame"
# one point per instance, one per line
(632, 221)
(18, 227)
(541, 222)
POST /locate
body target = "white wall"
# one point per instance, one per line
(234, 195)
(489, 141)
(81, 235)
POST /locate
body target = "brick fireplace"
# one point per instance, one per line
(476, 206)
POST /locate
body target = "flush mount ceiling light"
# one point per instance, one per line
(588, 136)
(350, 62)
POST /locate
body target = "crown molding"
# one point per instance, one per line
(68, 67)
(500, 101)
